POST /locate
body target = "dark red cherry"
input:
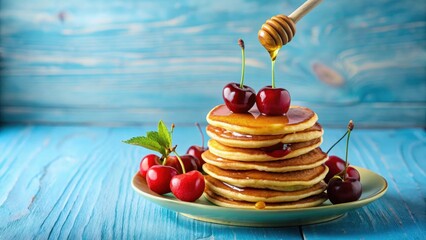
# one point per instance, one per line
(196, 151)
(188, 187)
(353, 173)
(158, 178)
(238, 100)
(344, 190)
(147, 162)
(335, 166)
(273, 101)
(189, 162)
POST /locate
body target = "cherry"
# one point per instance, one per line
(189, 186)
(189, 162)
(270, 100)
(273, 101)
(336, 165)
(239, 98)
(344, 190)
(353, 173)
(158, 178)
(147, 162)
(196, 151)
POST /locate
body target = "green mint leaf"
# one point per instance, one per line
(153, 136)
(156, 136)
(164, 134)
(146, 143)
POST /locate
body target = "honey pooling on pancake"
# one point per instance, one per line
(254, 123)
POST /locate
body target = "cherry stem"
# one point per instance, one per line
(243, 62)
(346, 157)
(180, 160)
(168, 151)
(273, 73)
(342, 174)
(202, 135)
(337, 142)
(171, 132)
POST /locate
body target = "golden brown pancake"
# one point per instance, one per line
(311, 201)
(297, 119)
(308, 160)
(256, 195)
(258, 154)
(235, 139)
(288, 181)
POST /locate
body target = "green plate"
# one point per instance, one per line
(373, 187)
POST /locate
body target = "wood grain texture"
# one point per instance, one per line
(133, 62)
(74, 182)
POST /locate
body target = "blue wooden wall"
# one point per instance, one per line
(135, 62)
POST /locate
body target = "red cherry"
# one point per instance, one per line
(189, 162)
(158, 178)
(238, 100)
(335, 166)
(147, 162)
(273, 101)
(189, 186)
(353, 173)
(342, 191)
(196, 151)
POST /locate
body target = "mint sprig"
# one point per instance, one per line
(159, 141)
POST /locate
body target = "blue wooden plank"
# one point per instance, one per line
(88, 62)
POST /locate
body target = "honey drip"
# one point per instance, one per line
(280, 29)
(275, 33)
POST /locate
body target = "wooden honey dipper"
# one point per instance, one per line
(280, 29)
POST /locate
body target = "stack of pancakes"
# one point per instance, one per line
(274, 162)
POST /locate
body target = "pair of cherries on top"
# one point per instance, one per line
(240, 98)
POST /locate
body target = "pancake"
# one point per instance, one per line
(288, 181)
(297, 119)
(311, 201)
(308, 160)
(236, 139)
(264, 195)
(259, 154)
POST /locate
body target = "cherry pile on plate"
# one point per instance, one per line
(180, 175)
(343, 181)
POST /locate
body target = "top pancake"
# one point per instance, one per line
(234, 139)
(297, 119)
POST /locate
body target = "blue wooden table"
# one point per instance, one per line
(73, 182)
